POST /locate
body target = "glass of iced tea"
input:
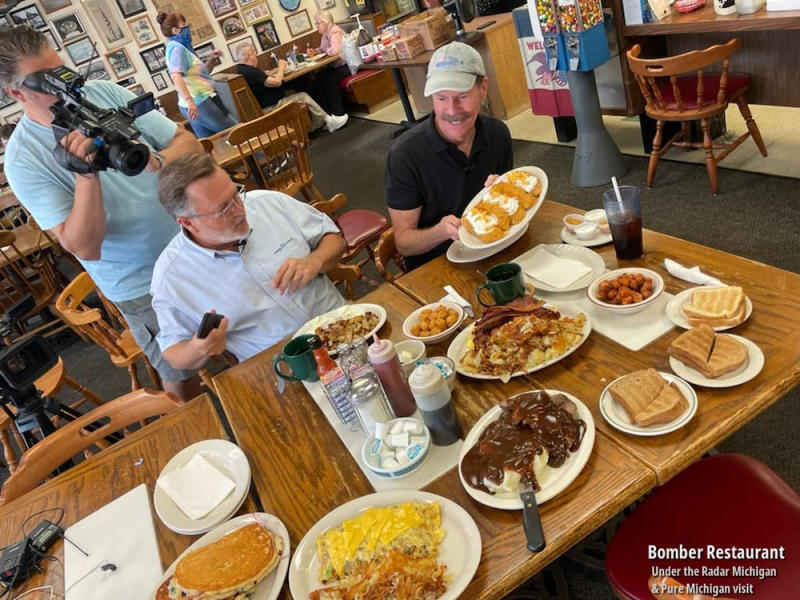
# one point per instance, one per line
(625, 220)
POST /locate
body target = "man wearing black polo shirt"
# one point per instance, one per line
(269, 92)
(434, 170)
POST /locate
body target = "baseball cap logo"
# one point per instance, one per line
(449, 61)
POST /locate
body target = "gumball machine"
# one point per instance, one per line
(584, 35)
(554, 49)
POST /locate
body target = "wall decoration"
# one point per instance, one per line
(160, 82)
(244, 3)
(131, 7)
(142, 30)
(50, 6)
(69, 27)
(106, 22)
(196, 16)
(231, 26)
(155, 59)
(137, 89)
(120, 62)
(29, 16)
(5, 100)
(127, 82)
(290, 5)
(95, 70)
(256, 13)
(52, 39)
(81, 51)
(325, 4)
(298, 23)
(204, 51)
(266, 35)
(235, 44)
(221, 7)
(14, 117)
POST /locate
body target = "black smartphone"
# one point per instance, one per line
(210, 321)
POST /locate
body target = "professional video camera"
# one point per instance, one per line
(111, 128)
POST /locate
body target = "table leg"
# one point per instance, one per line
(405, 101)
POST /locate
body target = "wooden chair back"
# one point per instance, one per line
(346, 275)
(649, 72)
(246, 103)
(386, 251)
(329, 207)
(38, 462)
(21, 275)
(274, 148)
(207, 144)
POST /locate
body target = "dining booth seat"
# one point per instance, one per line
(369, 90)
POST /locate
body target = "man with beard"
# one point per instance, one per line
(434, 170)
(257, 258)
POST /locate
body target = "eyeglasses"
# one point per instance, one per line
(227, 209)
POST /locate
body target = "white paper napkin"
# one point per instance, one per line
(197, 487)
(553, 270)
(693, 275)
(122, 534)
(455, 297)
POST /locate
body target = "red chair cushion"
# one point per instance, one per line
(360, 226)
(687, 84)
(347, 83)
(725, 500)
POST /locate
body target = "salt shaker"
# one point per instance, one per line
(433, 400)
(383, 358)
(370, 403)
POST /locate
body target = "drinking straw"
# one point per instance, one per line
(616, 191)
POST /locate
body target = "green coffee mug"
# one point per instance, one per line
(505, 282)
(300, 359)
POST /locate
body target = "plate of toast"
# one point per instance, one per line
(648, 403)
(720, 307)
(704, 357)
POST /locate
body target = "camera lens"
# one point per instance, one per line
(128, 157)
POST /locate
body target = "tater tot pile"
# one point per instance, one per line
(628, 288)
(433, 321)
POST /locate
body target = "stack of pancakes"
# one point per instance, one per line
(712, 354)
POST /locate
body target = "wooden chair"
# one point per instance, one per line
(274, 149)
(208, 145)
(346, 275)
(690, 97)
(360, 227)
(120, 345)
(386, 251)
(45, 456)
(246, 104)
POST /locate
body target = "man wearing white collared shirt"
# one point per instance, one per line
(259, 260)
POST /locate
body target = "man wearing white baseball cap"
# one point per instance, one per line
(435, 169)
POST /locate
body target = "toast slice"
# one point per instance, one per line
(635, 391)
(693, 347)
(714, 303)
(666, 407)
(728, 355)
(737, 318)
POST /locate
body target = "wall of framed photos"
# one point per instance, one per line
(120, 40)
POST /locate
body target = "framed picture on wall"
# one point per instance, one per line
(52, 39)
(234, 45)
(232, 26)
(29, 16)
(54, 5)
(127, 82)
(222, 7)
(204, 51)
(298, 23)
(120, 62)
(131, 7)
(106, 22)
(96, 70)
(155, 58)
(142, 30)
(5, 100)
(256, 13)
(137, 89)
(244, 3)
(81, 51)
(69, 27)
(160, 81)
(266, 35)
(325, 4)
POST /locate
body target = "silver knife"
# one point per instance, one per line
(530, 518)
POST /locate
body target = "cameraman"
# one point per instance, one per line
(112, 223)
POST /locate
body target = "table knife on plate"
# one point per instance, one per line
(530, 518)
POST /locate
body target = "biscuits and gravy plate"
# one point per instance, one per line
(552, 480)
(676, 314)
(343, 314)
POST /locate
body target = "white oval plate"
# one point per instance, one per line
(459, 253)
(225, 456)
(270, 586)
(675, 314)
(458, 348)
(348, 311)
(590, 258)
(555, 480)
(460, 550)
(751, 368)
(570, 238)
(473, 242)
(616, 417)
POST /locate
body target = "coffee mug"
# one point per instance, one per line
(504, 281)
(300, 359)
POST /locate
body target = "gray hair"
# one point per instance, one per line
(17, 43)
(175, 177)
(324, 16)
(241, 51)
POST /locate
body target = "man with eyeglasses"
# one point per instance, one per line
(258, 259)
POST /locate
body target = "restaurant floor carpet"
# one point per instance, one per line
(754, 216)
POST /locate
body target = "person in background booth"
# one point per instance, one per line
(330, 77)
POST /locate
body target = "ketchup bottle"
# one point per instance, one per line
(383, 358)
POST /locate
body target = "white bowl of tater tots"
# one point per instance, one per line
(433, 322)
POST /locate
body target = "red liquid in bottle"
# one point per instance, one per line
(383, 358)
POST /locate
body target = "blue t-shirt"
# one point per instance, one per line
(137, 227)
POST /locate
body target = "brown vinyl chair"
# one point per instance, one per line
(89, 322)
(680, 88)
(38, 462)
(386, 251)
(274, 149)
